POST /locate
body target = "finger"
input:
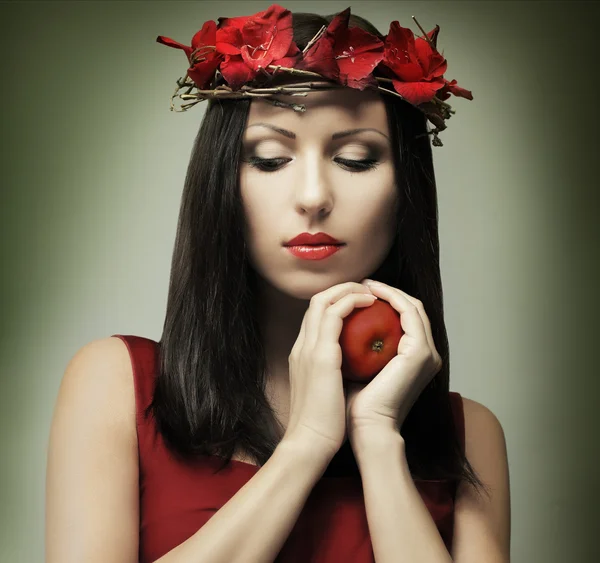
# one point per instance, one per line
(301, 336)
(412, 299)
(426, 324)
(410, 317)
(319, 304)
(333, 318)
(424, 318)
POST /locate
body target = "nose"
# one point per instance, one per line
(313, 194)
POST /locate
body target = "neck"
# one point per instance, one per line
(280, 317)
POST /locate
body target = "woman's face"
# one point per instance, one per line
(328, 170)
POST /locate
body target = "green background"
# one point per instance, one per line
(93, 164)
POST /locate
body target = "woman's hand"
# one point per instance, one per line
(384, 402)
(317, 403)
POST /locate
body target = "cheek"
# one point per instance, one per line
(262, 212)
(375, 205)
(379, 229)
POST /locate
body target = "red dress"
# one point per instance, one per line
(177, 498)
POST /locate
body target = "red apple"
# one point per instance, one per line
(369, 340)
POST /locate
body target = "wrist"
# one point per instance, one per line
(376, 440)
(305, 448)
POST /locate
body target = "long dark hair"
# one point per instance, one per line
(210, 390)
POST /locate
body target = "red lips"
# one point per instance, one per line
(312, 239)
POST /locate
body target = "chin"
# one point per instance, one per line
(303, 285)
(303, 280)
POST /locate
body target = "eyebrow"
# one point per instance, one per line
(335, 136)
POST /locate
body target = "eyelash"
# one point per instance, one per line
(263, 164)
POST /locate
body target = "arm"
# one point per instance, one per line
(92, 511)
(400, 525)
(253, 526)
(92, 467)
(399, 521)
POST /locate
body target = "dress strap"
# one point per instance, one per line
(143, 353)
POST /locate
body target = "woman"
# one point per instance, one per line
(236, 438)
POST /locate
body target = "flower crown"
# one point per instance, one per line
(243, 57)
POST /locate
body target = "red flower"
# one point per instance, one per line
(320, 58)
(250, 43)
(202, 55)
(453, 88)
(346, 54)
(417, 65)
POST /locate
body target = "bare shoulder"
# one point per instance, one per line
(99, 355)
(485, 441)
(482, 522)
(476, 412)
(92, 489)
(99, 376)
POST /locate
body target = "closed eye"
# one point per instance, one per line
(266, 164)
(359, 165)
(274, 164)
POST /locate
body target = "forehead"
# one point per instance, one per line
(326, 110)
